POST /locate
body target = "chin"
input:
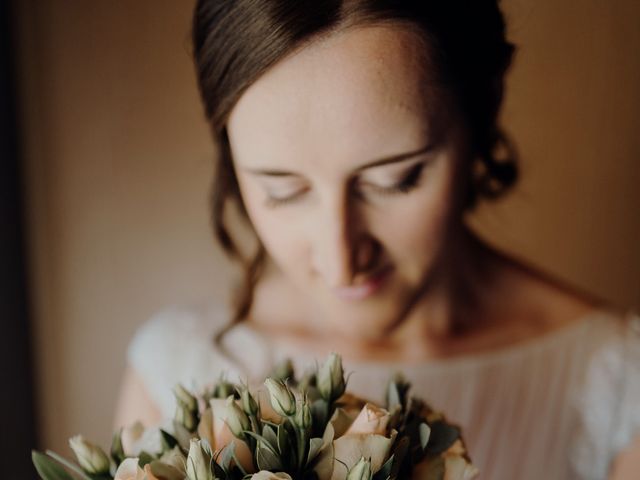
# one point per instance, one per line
(362, 322)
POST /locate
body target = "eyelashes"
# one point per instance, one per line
(410, 181)
(407, 184)
(273, 202)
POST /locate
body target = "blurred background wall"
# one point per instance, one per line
(118, 164)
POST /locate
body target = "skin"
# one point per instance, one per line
(309, 137)
(342, 222)
(320, 144)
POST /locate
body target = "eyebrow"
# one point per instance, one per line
(397, 158)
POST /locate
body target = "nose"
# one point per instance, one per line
(342, 247)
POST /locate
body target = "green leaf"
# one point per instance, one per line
(442, 437)
(285, 448)
(269, 434)
(320, 415)
(263, 441)
(425, 433)
(117, 452)
(266, 459)
(144, 458)
(393, 396)
(68, 464)
(168, 441)
(48, 468)
(315, 444)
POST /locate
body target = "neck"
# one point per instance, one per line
(447, 310)
(450, 306)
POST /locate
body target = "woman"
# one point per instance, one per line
(354, 136)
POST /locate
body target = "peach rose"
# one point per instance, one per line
(214, 428)
(348, 440)
(371, 420)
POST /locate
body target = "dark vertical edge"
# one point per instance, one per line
(17, 413)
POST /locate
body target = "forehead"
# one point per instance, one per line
(358, 94)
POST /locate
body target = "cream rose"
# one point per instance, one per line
(266, 475)
(136, 439)
(91, 458)
(129, 470)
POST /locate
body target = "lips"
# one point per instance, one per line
(363, 290)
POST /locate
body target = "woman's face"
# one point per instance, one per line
(350, 164)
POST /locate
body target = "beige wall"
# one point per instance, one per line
(118, 167)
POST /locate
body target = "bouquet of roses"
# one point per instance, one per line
(306, 429)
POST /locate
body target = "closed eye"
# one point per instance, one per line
(410, 181)
(277, 201)
(363, 188)
(282, 189)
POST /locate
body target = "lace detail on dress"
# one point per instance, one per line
(609, 404)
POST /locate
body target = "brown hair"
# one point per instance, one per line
(236, 41)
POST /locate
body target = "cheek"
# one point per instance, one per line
(417, 227)
(278, 230)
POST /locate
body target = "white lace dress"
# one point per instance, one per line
(557, 407)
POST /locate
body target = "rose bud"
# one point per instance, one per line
(91, 458)
(303, 418)
(236, 419)
(186, 417)
(249, 404)
(282, 399)
(198, 462)
(331, 382)
(185, 398)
